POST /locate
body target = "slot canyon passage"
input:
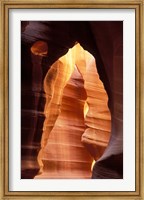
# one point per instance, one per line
(72, 100)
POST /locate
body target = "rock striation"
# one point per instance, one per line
(76, 129)
(104, 40)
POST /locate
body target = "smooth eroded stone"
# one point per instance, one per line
(77, 117)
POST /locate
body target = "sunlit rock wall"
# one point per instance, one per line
(76, 129)
(104, 40)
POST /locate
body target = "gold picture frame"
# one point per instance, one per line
(4, 142)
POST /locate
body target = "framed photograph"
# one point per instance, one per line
(71, 99)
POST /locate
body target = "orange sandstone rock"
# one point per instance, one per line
(76, 129)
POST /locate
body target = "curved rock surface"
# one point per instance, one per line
(70, 84)
(104, 40)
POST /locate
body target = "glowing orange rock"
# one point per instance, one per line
(77, 123)
(39, 48)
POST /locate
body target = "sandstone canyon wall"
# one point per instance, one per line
(77, 125)
(104, 40)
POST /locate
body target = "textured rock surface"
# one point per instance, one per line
(97, 118)
(71, 84)
(64, 155)
(32, 116)
(104, 40)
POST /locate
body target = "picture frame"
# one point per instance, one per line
(4, 102)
